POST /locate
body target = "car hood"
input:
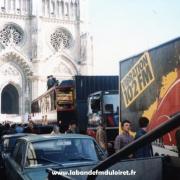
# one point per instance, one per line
(35, 174)
(40, 172)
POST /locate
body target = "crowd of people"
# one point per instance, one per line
(35, 128)
(9, 128)
(124, 138)
(121, 140)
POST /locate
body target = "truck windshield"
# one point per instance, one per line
(94, 104)
(111, 99)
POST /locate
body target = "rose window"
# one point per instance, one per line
(61, 39)
(10, 35)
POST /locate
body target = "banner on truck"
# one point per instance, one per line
(139, 77)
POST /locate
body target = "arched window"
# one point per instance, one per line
(52, 8)
(11, 4)
(66, 9)
(75, 10)
(43, 7)
(9, 100)
(57, 8)
(18, 8)
(47, 7)
(24, 5)
(62, 8)
(71, 9)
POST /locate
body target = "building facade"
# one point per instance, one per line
(39, 38)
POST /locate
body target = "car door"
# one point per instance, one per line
(14, 163)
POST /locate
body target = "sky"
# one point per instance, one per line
(123, 28)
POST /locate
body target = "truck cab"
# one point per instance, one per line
(103, 107)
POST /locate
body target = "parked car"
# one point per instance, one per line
(7, 145)
(34, 154)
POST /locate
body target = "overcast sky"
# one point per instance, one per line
(123, 28)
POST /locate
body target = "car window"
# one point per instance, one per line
(15, 150)
(9, 144)
(99, 152)
(5, 144)
(31, 158)
(12, 143)
(19, 152)
(87, 148)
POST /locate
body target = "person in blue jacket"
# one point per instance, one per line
(145, 151)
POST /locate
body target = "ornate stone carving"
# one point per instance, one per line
(14, 56)
(62, 69)
(61, 39)
(10, 35)
(10, 73)
(9, 70)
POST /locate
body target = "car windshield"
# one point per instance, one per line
(61, 151)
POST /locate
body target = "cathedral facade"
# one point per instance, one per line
(39, 38)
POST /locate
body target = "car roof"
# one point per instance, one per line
(16, 135)
(51, 137)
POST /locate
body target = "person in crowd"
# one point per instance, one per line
(124, 138)
(12, 128)
(19, 128)
(60, 126)
(72, 128)
(101, 137)
(30, 128)
(29, 118)
(45, 120)
(1, 129)
(7, 129)
(55, 130)
(145, 151)
(42, 121)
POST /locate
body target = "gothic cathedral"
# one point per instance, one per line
(39, 38)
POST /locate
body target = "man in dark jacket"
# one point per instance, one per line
(145, 151)
(72, 128)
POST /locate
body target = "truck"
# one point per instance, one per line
(67, 101)
(150, 86)
(103, 107)
(86, 85)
